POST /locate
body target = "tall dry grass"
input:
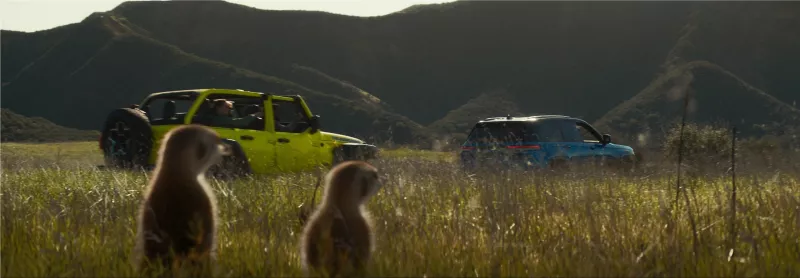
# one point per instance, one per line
(60, 218)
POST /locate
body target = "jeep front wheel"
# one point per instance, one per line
(233, 166)
(353, 152)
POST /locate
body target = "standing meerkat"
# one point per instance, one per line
(177, 220)
(338, 236)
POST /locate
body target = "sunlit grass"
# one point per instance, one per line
(407, 153)
(431, 219)
(36, 155)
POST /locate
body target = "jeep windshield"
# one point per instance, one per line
(512, 132)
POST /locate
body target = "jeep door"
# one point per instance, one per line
(165, 112)
(248, 131)
(296, 148)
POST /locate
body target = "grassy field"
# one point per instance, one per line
(62, 217)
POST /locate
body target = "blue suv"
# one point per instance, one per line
(541, 141)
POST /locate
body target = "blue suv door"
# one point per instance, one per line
(547, 133)
(585, 142)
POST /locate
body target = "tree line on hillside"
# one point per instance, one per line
(18, 128)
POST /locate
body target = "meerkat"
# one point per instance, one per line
(338, 238)
(177, 220)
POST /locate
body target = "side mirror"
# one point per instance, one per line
(314, 123)
(606, 139)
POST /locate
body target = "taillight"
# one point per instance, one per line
(467, 148)
(527, 147)
(100, 142)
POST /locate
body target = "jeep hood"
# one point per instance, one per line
(328, 136)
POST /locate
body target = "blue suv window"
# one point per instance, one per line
(571, 131)
(511, 132)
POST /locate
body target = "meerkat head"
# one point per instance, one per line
(352, 182)
(192, 149)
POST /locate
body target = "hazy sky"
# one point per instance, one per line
(34, 15)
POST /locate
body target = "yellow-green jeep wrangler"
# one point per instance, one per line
(268, 133)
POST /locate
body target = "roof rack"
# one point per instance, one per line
(547, 116)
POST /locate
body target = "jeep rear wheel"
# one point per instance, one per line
(126, 139)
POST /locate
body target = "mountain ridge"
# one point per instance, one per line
(117, 40)
(661, 104)
(411, 70)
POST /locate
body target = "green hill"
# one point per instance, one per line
(104, 64)
(428, 62)
(756, 41)
(18, 128)
(21, 50)
(414, 72)
(315, 79)
(716, 96)
(458, 122)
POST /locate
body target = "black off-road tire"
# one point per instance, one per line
(558, 166)
(338, 156)
(126, 139)
(624, 165)
(348, 152)
(628, 163)
(233, 166)
(468, 162)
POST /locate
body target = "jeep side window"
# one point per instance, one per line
(242, 114)
(289, 116)
(167, 110)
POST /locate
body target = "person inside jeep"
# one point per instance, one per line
(222, 115)
(290, 120)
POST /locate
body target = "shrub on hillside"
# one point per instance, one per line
(703, 145)
(770, 152)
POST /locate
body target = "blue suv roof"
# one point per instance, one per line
(526, 118)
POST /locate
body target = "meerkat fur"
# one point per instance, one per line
(177, 219)
(338, 237)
